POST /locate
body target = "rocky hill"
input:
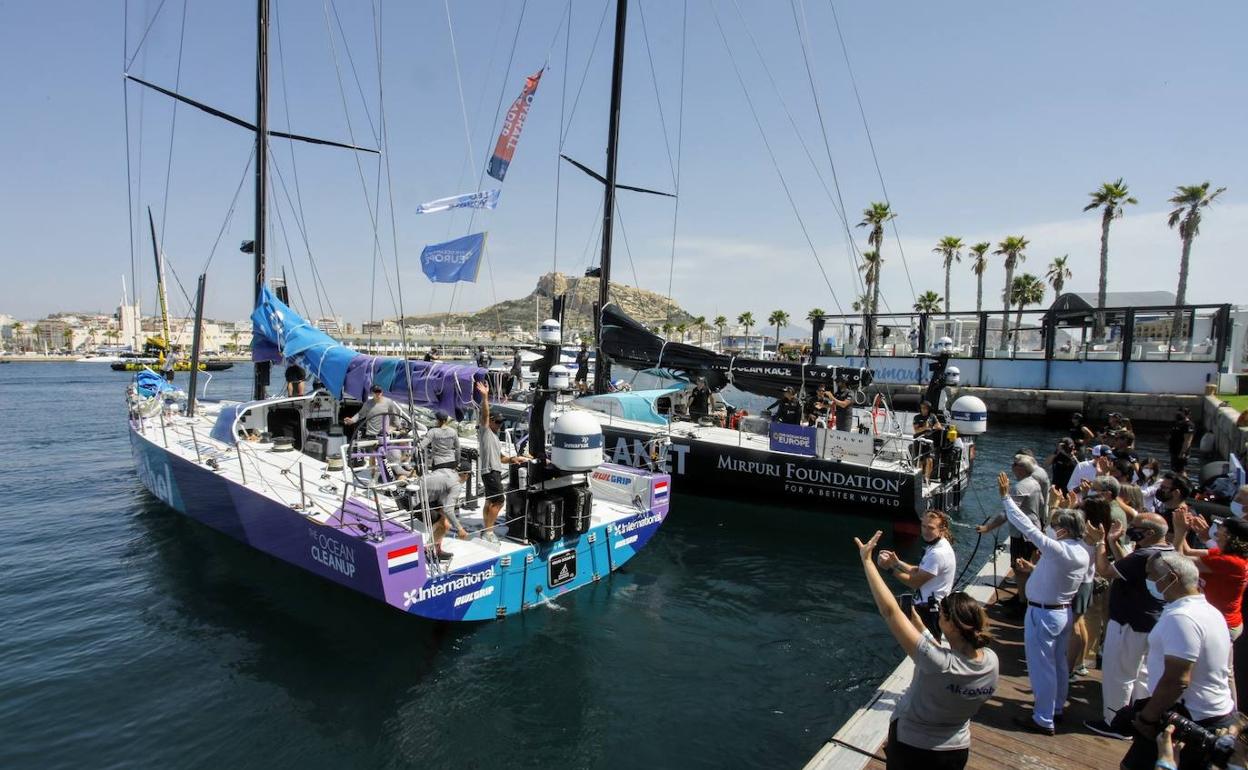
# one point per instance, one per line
(647, 307)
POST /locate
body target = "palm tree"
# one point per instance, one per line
(929, 302)
(17, 327)
(1110, 198)
(979, 263)
(1025, 290)
(813, 313)
(950, 250)
(874, 217)
(1058, 274)
(667, 330)
(719, 323)
(1012, 249)
(746, 319)
(680, 329)
(777, 319)
(1188, 200)
(700, 323)
(862, 303)
(871, 262)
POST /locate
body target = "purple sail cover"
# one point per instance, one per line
(437, 385)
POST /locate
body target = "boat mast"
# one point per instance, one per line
(602, 368)
(262, 168)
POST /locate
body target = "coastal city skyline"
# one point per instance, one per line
(977, 141)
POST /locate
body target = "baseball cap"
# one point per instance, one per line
(441, 416)
(376, 389)
(1102, 450)
(788, 389)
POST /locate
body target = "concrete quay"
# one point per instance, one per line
(1045, 406)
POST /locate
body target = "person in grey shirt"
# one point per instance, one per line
(1041, 475)
(442, 488)
(1026, 493)
(930, 727)
(442, 443)
(492, 461)
(374, 413)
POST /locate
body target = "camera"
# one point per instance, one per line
(907, 604)
(1215, 750)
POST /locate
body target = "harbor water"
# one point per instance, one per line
(742, 636)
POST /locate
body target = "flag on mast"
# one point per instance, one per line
(484, 199)
(457, 260)
(513, 124)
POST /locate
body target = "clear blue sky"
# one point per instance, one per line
(989, 119)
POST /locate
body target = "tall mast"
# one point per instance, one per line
(160, 287)
(262, 167)
(602, 369)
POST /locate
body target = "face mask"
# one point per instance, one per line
(1154, 590)
(1237, 509)
(1213, 531)
(1147, 473)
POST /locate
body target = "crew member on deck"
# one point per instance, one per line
(483, 358)
(492, 461)
(702, 402)
(295, 375)
(926, 426)
(374, 412)
(582, 367)
(443, 488)
(817, 406)
(786, 409)
(843, 403)
(168, 367)
(442, 442)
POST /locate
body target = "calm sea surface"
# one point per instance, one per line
(741, 637)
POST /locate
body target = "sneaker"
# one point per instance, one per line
(1030, 725)
(1101, 727)
(443, 555)
(489, 536)
(1081, 670)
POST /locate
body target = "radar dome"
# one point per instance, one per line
(970, 415)
(576, 442)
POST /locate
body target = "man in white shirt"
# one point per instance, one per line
(1189, 653)
(1046, 629)
(1099, 465)
(932, 579)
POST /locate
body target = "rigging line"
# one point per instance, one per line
(654, 79)
(803, 32)
(316, 273)
(870, 142)
(840, 210)
(627, 250)
(290, 255)
(680, 139)
(498, 319)
(125, 56)
(125, 97)
(783, 183)
(563, 100)
(300, 218)
(593, 48)
(229, 214)
(359, 168)
(459, 81)
(173, 125)
(346, 47)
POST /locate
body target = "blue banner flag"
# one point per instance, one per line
(485, 199)
(457, 260)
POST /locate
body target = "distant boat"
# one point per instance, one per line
(93, 358)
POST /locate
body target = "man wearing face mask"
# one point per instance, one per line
(1188, 663)
(1132, 614)
(1172, 495)
(1027, 497)
(1054, 581)
(932, 579)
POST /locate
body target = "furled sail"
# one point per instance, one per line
(279, 333)
(627, 342)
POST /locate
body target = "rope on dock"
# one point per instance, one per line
(861, 751)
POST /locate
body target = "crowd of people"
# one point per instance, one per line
(1113, 567)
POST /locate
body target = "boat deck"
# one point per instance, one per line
(277, 474)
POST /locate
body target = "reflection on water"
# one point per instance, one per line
(741, 636)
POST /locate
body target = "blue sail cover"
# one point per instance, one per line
(280, 333)
(636, 405)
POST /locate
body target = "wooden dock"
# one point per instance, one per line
(995, 741)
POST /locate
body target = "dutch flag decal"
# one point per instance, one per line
(660, 489)
(403, 558)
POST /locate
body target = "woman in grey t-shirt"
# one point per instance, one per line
(931, 727)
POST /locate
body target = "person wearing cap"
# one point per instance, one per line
(1098, 465)
(443, 488)
(374, 413)
(1114, 424)
(702, 401)
(442, 442)
(786, 410)
(1062, 463)
(492, 462)
(1080, 433)
(843, 403)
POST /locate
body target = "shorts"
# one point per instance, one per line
(492, 485)
(582, 375)
(903, 755)
(1021, 548)
(1083, 597)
